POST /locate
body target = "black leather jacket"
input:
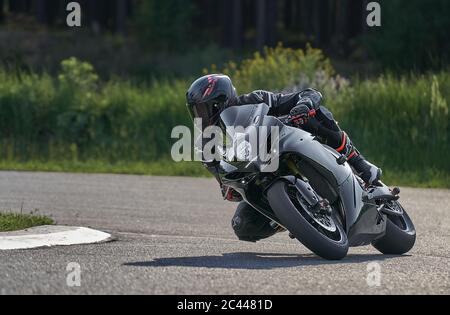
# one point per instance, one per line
(280, 105)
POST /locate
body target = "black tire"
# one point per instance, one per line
(302, 229)
(400, 236)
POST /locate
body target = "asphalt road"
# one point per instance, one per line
(174, 237)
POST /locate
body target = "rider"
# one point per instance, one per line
(209, 95)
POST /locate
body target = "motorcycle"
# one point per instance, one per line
(314, 193)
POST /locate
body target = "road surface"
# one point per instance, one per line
(173, 236)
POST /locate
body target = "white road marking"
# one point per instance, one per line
(69, 236)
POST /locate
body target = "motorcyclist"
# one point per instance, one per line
(209, 95)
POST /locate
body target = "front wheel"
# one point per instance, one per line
(400, 234)
(322, 234)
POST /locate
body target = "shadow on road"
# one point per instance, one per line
(254, 261)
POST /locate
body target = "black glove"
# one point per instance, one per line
(314, 96)
(301, 113)
(306, 101)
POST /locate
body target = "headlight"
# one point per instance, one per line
(244, 151)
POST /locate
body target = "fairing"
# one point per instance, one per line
(363, 222)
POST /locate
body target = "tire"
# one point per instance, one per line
(400, 236)
(302, 229)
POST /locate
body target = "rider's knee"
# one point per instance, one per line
(249, 225)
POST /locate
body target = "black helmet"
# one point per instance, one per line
(208, 96)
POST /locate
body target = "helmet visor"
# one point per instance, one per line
(209, 114)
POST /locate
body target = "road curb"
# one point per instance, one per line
(49, 236)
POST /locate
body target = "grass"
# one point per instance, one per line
(419, 179)
(423, 178)
(158, 168)
(74, 122)
(399, 123)
(15, 222)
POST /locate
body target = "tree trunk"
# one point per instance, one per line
(224, 22)
(121, 16)
(341, 21)
(363, 21)
(306, 17)
(14, 6)
(323, 22)
(271, 22)
(236, 24)
(260, 23)
(355, 12)
(331, 19)
(95, 15)
(41, 11)
(2, 15)
(288, 18)
(315, 14)
(231, 23)
(266, 23)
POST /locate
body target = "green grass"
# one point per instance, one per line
(76, 123)
(424, 178)
(15, 222)
(419, 179)
(399, 123)
(159, 168)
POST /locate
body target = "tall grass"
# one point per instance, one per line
(76, 117)
(401, 123)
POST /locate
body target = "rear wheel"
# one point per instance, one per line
(321, 233)
(400, 234)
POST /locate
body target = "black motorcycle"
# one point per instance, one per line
(313, 193)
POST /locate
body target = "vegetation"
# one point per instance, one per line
(401, 122)
(15, 222)
(76, 122)
(164, 24)
(280, 68)
(164, 167)
(413, 35)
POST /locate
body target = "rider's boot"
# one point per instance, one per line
(369, 173)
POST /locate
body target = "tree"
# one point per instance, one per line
(121, 15)
(236, 24)
(164, 25)
(42, 11)
(231, 21)
(19, 6)
(416, 38)
(266, 23)
(2, 7)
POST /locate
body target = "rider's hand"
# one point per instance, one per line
(301, 113)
